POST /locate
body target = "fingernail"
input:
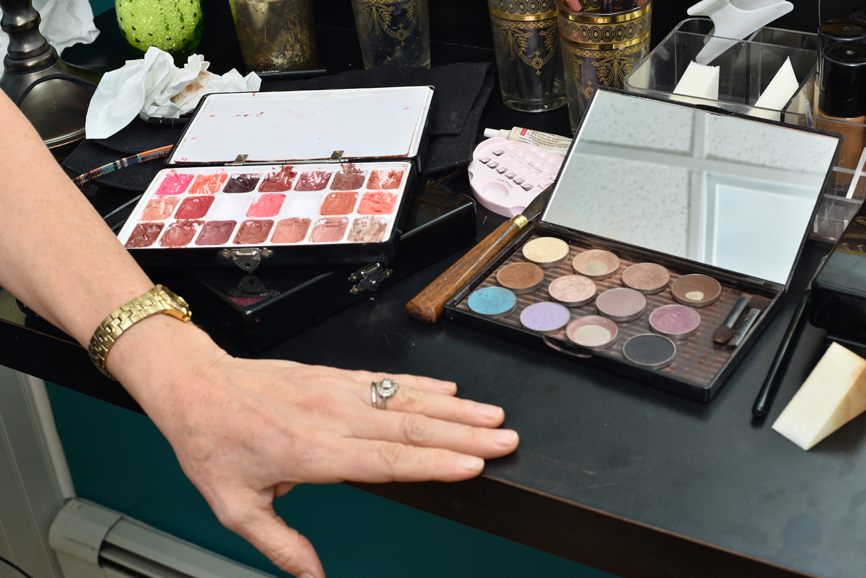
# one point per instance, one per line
(447, 386)
(505, 437)
(489, 411)
(471, 463)
(305, 575)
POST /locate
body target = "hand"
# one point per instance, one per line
(246, 432)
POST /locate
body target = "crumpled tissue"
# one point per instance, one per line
(64, 23)
(154, 86)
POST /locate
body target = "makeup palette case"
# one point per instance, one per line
(259, 309)
(662, 219)
(307, 177)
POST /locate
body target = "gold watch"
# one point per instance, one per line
(158, 300)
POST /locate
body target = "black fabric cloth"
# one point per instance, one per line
(462, 90)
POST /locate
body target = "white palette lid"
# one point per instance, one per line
(366, 123)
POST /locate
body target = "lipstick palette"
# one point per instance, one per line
(284, 178)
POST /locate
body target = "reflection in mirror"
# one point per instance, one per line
(724, 191)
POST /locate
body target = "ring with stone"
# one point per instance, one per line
(382, 390)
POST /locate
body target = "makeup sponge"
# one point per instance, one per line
(833, 394)
(699, 81)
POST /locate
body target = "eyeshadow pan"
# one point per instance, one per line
(279, 181)
(675, 321)
(545, 317)
(368, 230)
(267, 205)
(621, 304)
(179, 233)
(572, 290)
(520, 277)
(592, 332)
(696, 290)
(378, 203)
(173, 184)
(312, 181)
(144, 235)
(216, 233)
(207, 184)
(650, 350)
(242, 183)
(252, 232)
(194, 207)
(546, 251)
(349, 179)
(329, 230)
(159, 209)
(495, 302)
(339, 203)
(648, 278)
(291, 230)
(385, 179)
(595, 264)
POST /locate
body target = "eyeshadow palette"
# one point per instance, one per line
(613, 314)
(661, 219)
(284, 178)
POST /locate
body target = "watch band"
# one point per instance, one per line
(158, 300)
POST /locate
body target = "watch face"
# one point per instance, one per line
(174, 300)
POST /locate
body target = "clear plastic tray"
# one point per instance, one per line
(747, 67)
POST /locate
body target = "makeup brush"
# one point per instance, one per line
(429, 305)
(758, 305)
(122, 163)
(725, 331)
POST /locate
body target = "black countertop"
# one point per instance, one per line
(610, 472)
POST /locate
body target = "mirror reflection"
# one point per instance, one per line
(725, 191)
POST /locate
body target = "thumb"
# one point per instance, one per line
(284, 546)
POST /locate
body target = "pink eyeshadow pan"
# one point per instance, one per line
(266, 205)
(252, 232)
(173, 184)
(339, 203)
(329, 230)
(194, 207)
(385, 179)
(207, 184)
(180, 233)
(378, 203)
(216, 233)
(312, 181)
(159, 209)
(291, 230)
(144, 234)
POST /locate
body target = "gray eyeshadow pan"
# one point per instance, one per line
(649, 350)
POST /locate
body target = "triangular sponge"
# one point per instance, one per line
(833, 394)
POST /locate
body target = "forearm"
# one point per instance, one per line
(56, 254)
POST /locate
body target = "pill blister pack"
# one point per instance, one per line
(505, 176)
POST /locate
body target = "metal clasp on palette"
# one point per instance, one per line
(247, 259)
(368, 278)
(239, 160)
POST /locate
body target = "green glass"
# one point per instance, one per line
(173, 26)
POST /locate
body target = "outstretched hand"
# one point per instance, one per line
(246, 432)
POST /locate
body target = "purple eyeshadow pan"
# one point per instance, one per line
(545, 317)
(675, 321)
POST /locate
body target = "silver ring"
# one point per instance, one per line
(382, 390)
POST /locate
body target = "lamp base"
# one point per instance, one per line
(57, 108)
